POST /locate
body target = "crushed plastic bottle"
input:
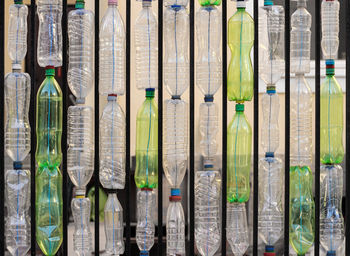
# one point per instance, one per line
(175, 229)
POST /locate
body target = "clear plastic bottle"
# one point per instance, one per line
(17, 191)
(81, 52)
(175, 2)
(271, 43)
(271, 187)
(331, 217)
(300, 39)
(112, 145)
(175, 229)
(237, 228)
(17, 32)
(112, 52)
(176, 45)
(146, 44)
(175, 140)
(207, 211)
(17, 128)
(300, 122)
(145, 229)
(50, 33)
(208, 58)
(82, 237)
(113, 223)
(80, 154)
(269, 128)
(330, 28)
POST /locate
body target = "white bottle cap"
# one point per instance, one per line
(241, 4)
(16, 66)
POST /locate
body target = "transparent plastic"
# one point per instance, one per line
(175, 2)
(81, 52)
(112, 53)
(17, 128)
(175, 141)
(49, 52)
(207, 212)
(175, 230)
(112, 146)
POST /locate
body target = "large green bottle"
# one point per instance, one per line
(48, 193)
(332, 150)
(302, 212)
(240, 77)
(146, 173)
(239, 147)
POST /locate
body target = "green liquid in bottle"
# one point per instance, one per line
(302, 209)
(49, 229)
(239, 147)
(332, 150)
(209, 2)
(240, 76)
(146, 173)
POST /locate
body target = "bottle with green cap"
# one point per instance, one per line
(240, 77)
(239, 146)
(146, 173)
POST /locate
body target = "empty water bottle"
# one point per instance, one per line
(81, 52)
(112, 51)
(270, 200)
(17, 129)
(112, 145)
(82, 237)
(145, 229)
(331, 217)
(80, 154)
(175, 141)
(17, 226)
(17, 32)
(330, 28)
(176, 42)
(113, 223)
(237, 228)
(208, 59)
(175, 2)
(175, 229)
(50, 33)
(207, 211)
(146, 44)
(271, 43)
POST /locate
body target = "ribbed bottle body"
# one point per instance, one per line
(175, 230)
(330, 28)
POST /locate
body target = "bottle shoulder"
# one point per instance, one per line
(50, 87)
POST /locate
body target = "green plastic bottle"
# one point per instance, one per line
(332, 150)
(146, 173)
(48, 202)
(209, 2)
(302, 209)
(239, 147)
(240, 77)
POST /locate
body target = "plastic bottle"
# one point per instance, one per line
(271, 43)
(330, 28)
(175, 228)
(270, 200)
(237, 228)
(82, 237)
(17, 32)
(80, 154)
(81, 52)
(146, 44)
(175, 2)
(145, 229)
(239, 147)
(175, 141)
(208, 58)
(112, 145)
(331, 217)
(302, 209)
(17, 128)
(209, 2)
(146, 173)
(207, 211)
(113, 223)
(240, 80)
(112, 51)
(269, 129)
(50, 33)
(17, 225)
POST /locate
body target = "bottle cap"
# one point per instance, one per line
(330, 67)
(79, 4)
(268, 2)
(16, 66)
(208, 166)
(269, 248)
(17, 165)
(269, 154)
(50, 71)
(209, 98)
(239, 107)
(271, 89)
(175, 191)
(150, 93)
(113, 2)
(241, 4)
(331, 253)
(144, 253)
(176, 97)
(18, 1)
(146, 189)
(80, 101)
(112, 97)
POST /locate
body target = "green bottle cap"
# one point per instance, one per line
(150, 93)
(239, 107)
(18, 1)
(79, 4)
(50, 71)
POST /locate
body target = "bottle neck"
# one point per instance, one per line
(146, 3)
(50, 71)
(301, 3)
